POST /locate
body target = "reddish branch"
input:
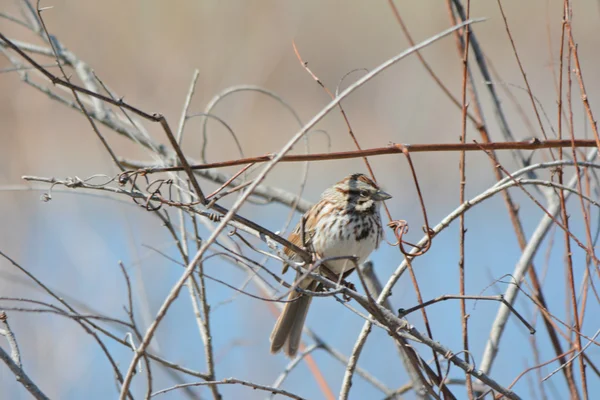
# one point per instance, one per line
(462, 184)
(533, 144)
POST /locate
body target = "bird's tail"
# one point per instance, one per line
(288, 328)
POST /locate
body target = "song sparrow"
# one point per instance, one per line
(345, 222)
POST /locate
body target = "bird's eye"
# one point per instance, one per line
(363, 193)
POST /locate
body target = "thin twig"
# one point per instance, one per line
(462, 183)
(533, 144)
(232, 381)
(576, 355)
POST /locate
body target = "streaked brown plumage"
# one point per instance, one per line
(345, 222)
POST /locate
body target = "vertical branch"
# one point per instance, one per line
(197, 291)
(186, 106)
(462, 230)
(565, 219)
(201, 309)
(578, 74)
(568, 371)
(200, 306)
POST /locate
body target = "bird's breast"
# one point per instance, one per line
(345, 234)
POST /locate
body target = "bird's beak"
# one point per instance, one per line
(380, 195)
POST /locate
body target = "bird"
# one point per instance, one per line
(345, 222)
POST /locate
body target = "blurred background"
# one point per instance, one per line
(147, 51)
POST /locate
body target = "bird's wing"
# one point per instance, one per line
(306, 224)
